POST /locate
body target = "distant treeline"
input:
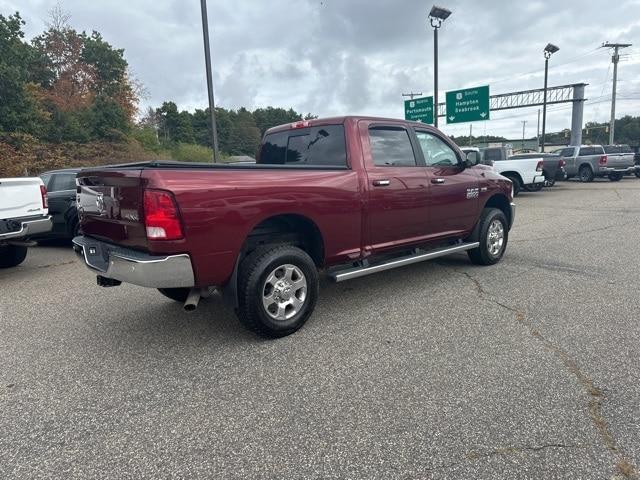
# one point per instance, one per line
(66, 87)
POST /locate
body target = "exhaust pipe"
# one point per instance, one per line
(192, 300)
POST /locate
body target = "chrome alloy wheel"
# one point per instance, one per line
(495, 237)
(284, 292)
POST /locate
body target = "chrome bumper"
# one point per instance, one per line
(513, 215)
(624, 170)
(29, 228)
(131, 266)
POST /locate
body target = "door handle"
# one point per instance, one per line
(437, 180)
(381, 183)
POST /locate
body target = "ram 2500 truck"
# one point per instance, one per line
(23, 214)
(347, 196)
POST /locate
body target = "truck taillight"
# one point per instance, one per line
(43, 194)
(161, 216)
(301, 124)
(562, 163)
(539, 166)
(603, 160)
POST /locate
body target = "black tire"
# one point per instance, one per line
(550, 182)
(253, 283)
(177, 294)
(12, 256)
(615, 177)
(585, 174)
(483, 255)
(637, 173)
(516, 184)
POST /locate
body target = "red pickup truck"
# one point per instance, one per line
(348, 196)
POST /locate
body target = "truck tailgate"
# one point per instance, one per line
(20, 197)
(110, 206)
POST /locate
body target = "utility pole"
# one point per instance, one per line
(437, 15)
(470, 132)
(524, 122)
(207, 61)
(615, 57)
(538, 132)
(411, 95)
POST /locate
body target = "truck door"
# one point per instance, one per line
(453, 190)
(398, 192)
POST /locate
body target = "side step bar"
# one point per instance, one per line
(356, 272)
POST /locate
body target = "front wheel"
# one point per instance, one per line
(277, 290)
(12, 256)
(494, 234)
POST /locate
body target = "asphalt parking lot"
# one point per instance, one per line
(527, 369)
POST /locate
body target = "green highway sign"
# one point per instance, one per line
(468, 105)
(419, 110)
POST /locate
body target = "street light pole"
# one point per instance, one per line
(207, 60)
(437, 15)
(548, 51)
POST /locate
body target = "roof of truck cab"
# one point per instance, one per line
(62, 170)
(339, 120)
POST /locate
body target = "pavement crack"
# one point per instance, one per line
(520, 450)
(51, 265)
(595, 395)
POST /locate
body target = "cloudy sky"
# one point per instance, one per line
(332, 57)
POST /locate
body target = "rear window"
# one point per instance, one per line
(320, 146)
(625, 149)
(493, 154)
(62, 181)
(611, 149)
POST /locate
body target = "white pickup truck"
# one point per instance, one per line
(23, 212)
(524, 173)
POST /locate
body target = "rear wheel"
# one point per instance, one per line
(638, 172)
(494, 234)
(12, 256)
(586, 174)
(549, 182)
(516, 184)
(615, 177)
(277, 290)
(177, 294)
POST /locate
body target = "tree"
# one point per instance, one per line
(19, 107)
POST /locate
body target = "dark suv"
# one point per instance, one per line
(61, 193)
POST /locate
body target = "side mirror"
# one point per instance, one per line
(472, 159)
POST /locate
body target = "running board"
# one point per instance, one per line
(356, 272)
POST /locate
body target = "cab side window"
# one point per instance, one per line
(436, 152)
(391, 147)
(62, 181)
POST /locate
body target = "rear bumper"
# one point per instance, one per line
(132, 266)
(623, 170)
(537, 179)
(28, 228)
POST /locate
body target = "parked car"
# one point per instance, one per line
(23, 213)
(61, 188)
(590, 161)
(553, 166)
(621, 154)
(636, 159)
(349, 196)
(524, 173)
